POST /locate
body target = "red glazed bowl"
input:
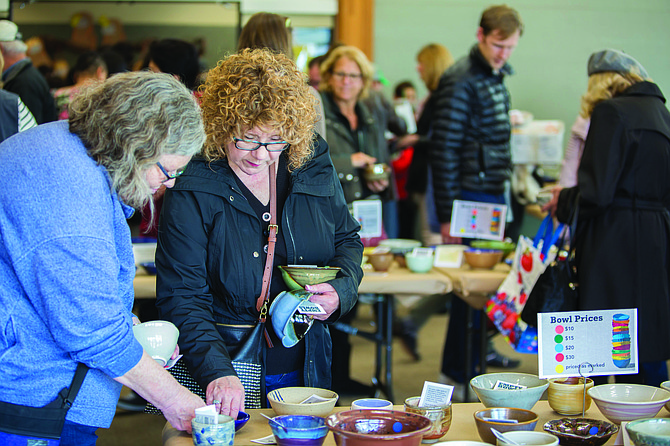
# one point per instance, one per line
(374, 427)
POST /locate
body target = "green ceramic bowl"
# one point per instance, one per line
(649, 431)
(296, 277)
(505, 247)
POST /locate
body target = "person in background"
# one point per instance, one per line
(623, 191)
(67, 264)
(90, 67)
(272, 31)
(14, 115)
(314, 70)
(21, 77)
(406, 90)
(221, 205)
(176, 57)
(470, 156)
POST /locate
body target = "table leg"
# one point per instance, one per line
(388, 302)
(469, 327)
(484, 342)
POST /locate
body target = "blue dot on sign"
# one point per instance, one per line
(559, 348)
(397, 426)
(593, 430)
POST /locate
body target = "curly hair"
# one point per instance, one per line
(435, 59)
(258, 88)
(354, 54)
(132, 119)
(603, 86)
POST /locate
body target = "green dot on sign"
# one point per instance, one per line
(558, 339)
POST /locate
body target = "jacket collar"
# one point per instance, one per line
(479, 61)
(15, 69)
(645, 88)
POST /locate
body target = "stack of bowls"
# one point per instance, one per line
(620, 340)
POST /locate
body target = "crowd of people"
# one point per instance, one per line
(255, 164)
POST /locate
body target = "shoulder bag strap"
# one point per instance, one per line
(77, 381)
(262, 301)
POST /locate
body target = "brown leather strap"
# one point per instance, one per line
(261, 303)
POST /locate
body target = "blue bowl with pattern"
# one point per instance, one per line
(302, 430)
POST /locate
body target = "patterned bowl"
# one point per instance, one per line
(377, 427)
(286, 401)
(581, 431)
(649, 432)
(628, 402)
(304, 430)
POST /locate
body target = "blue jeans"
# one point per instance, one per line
(272, 382)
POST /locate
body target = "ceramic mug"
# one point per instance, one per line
(566, 396)
(440, 417)
(371, 403)
(219, 434)
(158, 339)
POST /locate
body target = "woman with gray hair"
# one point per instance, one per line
(66, 261)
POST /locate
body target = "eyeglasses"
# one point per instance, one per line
(245, 144)
(170, 176)
(353, 76)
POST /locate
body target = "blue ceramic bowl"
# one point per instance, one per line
(305, 430)
(242, 418)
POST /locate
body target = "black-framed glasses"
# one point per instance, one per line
(248, 145)
(170, 176)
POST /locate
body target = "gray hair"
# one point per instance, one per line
(14, 48)
(132, 119)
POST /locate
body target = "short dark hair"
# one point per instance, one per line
(401, 87)
(502, 18)
(176, 57)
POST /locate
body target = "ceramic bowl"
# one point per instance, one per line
(377, 172)
(482, 258)
(462, 443)
(208, 434)
(304, 430)
(371, 403)
(296, 277)
(666, 385)
(242, 418)
(419, 263)
(494, 418)
(440, 417)
(286, 401)
(567, 395)
(380, 261)
(581, 431)
(519, 399)
(649, 432)
(400, 245)
(628, 402)
(530, 438)
(506, 247)
(375, 427)
(158, 339)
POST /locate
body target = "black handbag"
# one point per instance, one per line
(244, 342)
(39, 425)
(557, 289)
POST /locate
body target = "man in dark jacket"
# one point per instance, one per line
(22, 78)
(471, 158)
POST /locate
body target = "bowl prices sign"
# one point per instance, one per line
(602, 342)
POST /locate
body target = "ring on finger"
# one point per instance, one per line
(216, 402)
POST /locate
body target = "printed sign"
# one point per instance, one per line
(604, 342)
(472, 219)
(369, 214)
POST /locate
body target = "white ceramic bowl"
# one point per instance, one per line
(628, 402)
(158, 339)
(371, 404)
(419, 263)
(520, 398)
(530, 438)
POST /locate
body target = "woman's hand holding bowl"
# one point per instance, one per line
(325, 295)
(228, 395)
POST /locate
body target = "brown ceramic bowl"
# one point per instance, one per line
(482, 258)
(380, 261)
(376, 427)
(581, 431)
(494, 417)
(377, 172)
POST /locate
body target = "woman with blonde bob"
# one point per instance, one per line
(259, 115)
(67, 265)
(623, 200)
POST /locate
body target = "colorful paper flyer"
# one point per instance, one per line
(472, 219)
(602, 342)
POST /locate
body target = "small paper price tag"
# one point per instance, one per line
(435, 394)
(502, 385)
(270, 439)
(310, 308)
(207, 415)
(172, 362)
(423, 252)
(314, 399)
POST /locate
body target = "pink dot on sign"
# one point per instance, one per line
(560, 357)
(559, 329)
